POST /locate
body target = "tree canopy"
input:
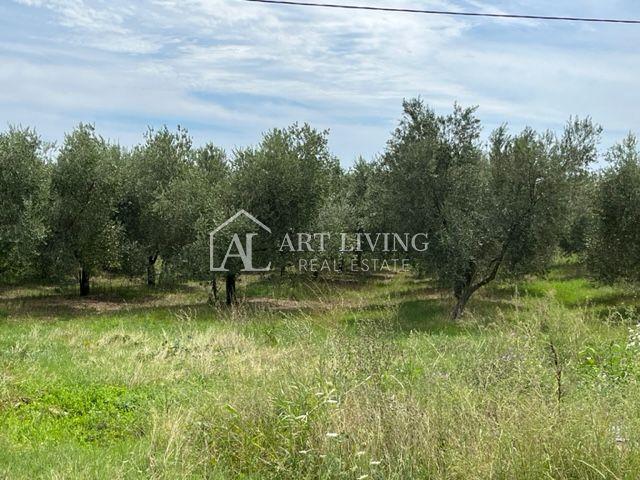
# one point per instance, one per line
(493, 206)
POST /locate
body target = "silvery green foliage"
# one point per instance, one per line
(352, 207)
(336, 216)
(362, 193)
(615, 248)
(24, 184)
(84, 194)
(152, 209)
(486, 212)
(578, 144)
(198, 201)
(283, 182)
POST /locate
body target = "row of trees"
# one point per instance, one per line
(491, 209)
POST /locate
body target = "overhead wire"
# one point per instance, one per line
(449, 12)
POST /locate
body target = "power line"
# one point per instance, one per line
(445, 12)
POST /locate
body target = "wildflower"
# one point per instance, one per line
(333, 435)
(619, 438)
(633, 341)
(375, 462)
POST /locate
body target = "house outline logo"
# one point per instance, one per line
(245, 250)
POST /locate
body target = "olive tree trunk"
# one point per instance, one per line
(466, 286)
(230, 284)
(85, 286)
(214, 287)
(151, 270)
(462, 298)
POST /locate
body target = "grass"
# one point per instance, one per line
(351, 378)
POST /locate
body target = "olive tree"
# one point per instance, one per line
(614, 251)
(485, 212)
(350, 209)
(579, 143)
(199, 202)
(84, 191)
(156, 171)
(283, 182)
(24, 184)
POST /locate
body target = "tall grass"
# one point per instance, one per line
(375, 384)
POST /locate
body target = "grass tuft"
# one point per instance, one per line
(363, 379)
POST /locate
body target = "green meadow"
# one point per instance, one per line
(355, 378)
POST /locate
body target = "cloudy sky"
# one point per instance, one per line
(229, 70)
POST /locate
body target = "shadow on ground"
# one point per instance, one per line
(48, 302)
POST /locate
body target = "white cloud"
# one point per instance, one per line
(235, 68)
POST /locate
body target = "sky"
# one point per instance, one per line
(229, 70)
